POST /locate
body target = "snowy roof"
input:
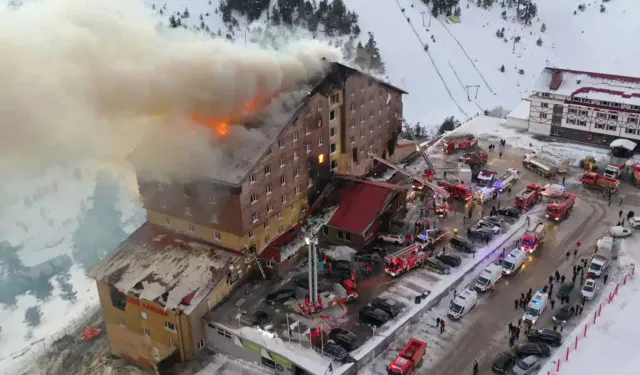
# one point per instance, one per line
(595, 86)
(521, 111)
(624, 143)
(157, 265)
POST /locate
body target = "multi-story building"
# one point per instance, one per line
(585, 107)
(159, 283)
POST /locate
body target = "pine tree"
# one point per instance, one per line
(374, 55)
(449, 124)
(66, 288)
(361, 60)
(100, 229)
(502, 69)
(487, 3)
(185, 14)
(435, 11)
(33, 316)
(172, 22)
(543, 28)
(349, 48)
(527, 12)
(457, 12)
(42, 288)
(539, 42)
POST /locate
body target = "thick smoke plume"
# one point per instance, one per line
(92, 78)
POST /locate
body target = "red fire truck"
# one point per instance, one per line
(405, 260)
(560, 207)
(528, 197)
(457, 191)
(636, 174)
(409, 359)
(477, 157)
(344, 293)
(533, 237)
(592, 180)
(455, 142)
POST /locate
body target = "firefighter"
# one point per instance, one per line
(455, 231)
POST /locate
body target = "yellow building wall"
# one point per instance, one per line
(261, 235)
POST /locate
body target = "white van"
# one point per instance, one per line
(513, 261)
(598, 265)
(535, 307)
(488, 278)
(462, 304)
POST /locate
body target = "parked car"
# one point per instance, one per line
(461, 244)
(487, 224)
(367, 257)
(527, 366)
(281, 296)
(435, 265)
(334, 351)
(344, 338)
(503, 362)
(342, 267)
(565, 289)
(511, 212)
(480, 232)
(635, 222)
(262, 320)
(391, 238)
(545, 336)
(388, 305)
(619, 232)
(373, 315)
(589, 289)
(532, 348)
(450, 260)
(563, 314)
(495, 220)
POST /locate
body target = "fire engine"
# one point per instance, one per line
(507, 180)
(533, 237)
(340, 294)
(528, 197)
(561, 207)
(455, 142)
(457, 191)
(409, 359)
(486, 177)
(405, 260)
(614, 170)
(596, 181)
(475, 158)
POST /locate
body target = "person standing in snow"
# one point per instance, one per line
(512, 340)
(606, 276)
(475, 367)
(516, 303)
(553, 302)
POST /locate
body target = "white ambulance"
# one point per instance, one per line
(535, 307)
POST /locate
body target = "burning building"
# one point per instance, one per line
(254, 181)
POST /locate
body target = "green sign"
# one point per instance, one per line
(280, 360)
(251, 346)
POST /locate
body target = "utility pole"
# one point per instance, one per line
(469, 94)
(514, 45)
(423, 25)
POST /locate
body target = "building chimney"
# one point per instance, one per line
(556, 80)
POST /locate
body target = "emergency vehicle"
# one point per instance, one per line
(535, 307)
(528, 197)
(614, 170)
(560, 207)
(409, 359)
(533, 237)
(475, 158)
(489, 277)
(485, 194)
(338, 295)
(592, 180)
(455, 142)
(441, 206)
(486, 178)
(513, 261)
(540, 167)
(430, 237)
(457, 191)
(462, 304)
(507, 180)
(405, 260)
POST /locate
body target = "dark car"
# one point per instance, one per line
(450, 260)
(281, 296)
(565, 289)
(563, 314)
(373, 315)
(512, 212)
(461, 244)
(435, 265)
(334, 351)
(545, 336)
(389, 306)
(495, 220)
(367, 257)
(479, 232)
(262, 320)
(503, 362)
(344, 338)
(532, 348)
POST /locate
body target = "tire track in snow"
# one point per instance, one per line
(432, 62)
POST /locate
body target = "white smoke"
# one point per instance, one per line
(92, 78)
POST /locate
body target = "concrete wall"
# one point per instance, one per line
(540, 129)
(517, 123)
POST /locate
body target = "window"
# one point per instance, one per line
(601, 115)
(319, 123)
(283, 198)
(162, 205)
(159, 186)
(543, 115)
(224, 333)
(200, 344)
(334, 164)
(325, 230)
(167, 221)
(319, 105)
(252, 234)
(379, 138)
(582, 123)
(283, 180)
(265, 225)
(635, 107)
(307, 147)
(379, 124)
(381, 108)
(335, 98)
(347, 236)
(281, 143)
(170, 326)
(353, 123)
(147, 332)
(630, 131)
(253, 178)
(332, 148)
(187, 210)
(340, 234)
(295, 136)
(583, 112)
(544, 105)
(172, 343)
(269, 207)
(185, 191)
(353, 106)
(612, 128)
(192, 228)
(361, 133)
(121, 322)
(613, 117)
(267, 170)
(617, 105)
(266, 239)
(283, 162)
(370, 143)
(599, 126)
(546, 95)
(310, 182)
(296, 172)
(371, 128)
(332, 115)
(253, 198)
(362, 86)
(371, 114)
(573, 111)
(332, 132)
(214, 218)
(268, 189)
(632, 120)
(320, 141)
(296, 154)
(571, 121)
(212, 200)
(280, 215)
(353, 139)
(254, 218)
(297, 190)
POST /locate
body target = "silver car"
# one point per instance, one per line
(526, 366)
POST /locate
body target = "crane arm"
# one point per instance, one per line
(439, 190)
(421, 151)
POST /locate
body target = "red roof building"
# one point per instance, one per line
(365, 207)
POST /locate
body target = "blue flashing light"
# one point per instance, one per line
(511, 255)
(536, 302)
(540, 291)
